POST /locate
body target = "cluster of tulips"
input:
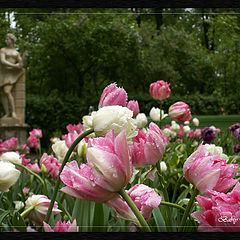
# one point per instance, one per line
(110, 157)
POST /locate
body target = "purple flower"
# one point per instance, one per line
(236, 134)
(234, 127)
(208, 135)
(236, 148)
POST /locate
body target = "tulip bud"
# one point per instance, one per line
(141, 120)
(160, 90)
(133, 106)
(179, 111)
(163, 166)
(186, 129)
(60, 149)
(195, 122)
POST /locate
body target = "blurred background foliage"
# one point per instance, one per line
(75, 53)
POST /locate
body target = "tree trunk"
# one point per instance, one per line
(158, 18)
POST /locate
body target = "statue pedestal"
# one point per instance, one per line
(12, 129)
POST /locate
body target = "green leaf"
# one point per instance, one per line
(3, 215)
(98, 221)
(160, 222)
(18, 222)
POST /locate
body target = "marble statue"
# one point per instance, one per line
(12, 68)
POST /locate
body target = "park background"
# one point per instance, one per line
(74, 53)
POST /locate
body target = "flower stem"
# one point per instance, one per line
(27, 211)
(70, 150)
(160, 114)
(187, 210)
(135, 210)
(172, 205)
(35, 175)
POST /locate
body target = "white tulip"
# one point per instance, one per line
(60, 149)
(186, 129)
(173, 122)
(141, 120)
(11, 157)
(18, 205)
(215, 150)
(195, 122)
(115, 118)
(8, 175)
(155, 114)
(175, 127)
(167, 132)
(82, 148)
(163, 166)
(186, 122)
(173, 134)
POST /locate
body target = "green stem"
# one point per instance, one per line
(160, 114)
(187, 210)
(70, 150)
(35, 175)
(172, 205)
(27, 211)
(135, 210)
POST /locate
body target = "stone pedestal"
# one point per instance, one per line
(14, 130)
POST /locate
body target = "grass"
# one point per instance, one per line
(219, 121)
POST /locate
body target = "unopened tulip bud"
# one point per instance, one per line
(195, 122)
(163, 166)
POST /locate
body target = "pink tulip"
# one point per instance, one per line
(70, 138)
(209, 172)
(113, 95)
(62, 226)
(34, 167)
(8, 145)
(80, 183)
(73, 127)
(191, 134)
(148, 149)
(52, 165)
(221, 212)
(24, 148)
(179, 111)
(25, 161)
(133, 106)
(36, 132)
(160, 90)
(25, 190)
(198, 133)
(110, 160)
(33, 142)
(180, 134)
(144, 197)
(39, 212)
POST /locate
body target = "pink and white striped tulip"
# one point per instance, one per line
(113, 95)
(80, 183)
(62, 226)
(52, 165)
(160, 90)
(179, 111)
(110, 160)
(221, 212)
(208, 171)
(148, 149)
(133, 106)
(39, 212)
(33, 142)
(144, 197)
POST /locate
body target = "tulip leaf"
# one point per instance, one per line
(160, 222)
(98, 221)
(18, 222)
(174, 160)
(3, 215)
